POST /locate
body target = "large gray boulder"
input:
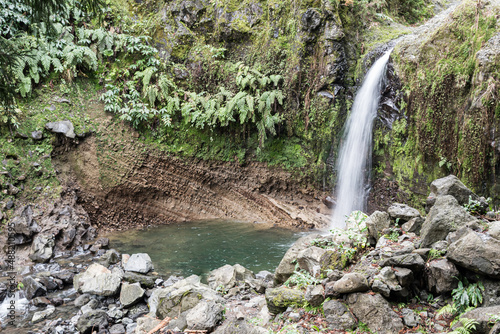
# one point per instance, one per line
(387, 283)
(375, 312)
(139, 263)
(402, 212)
(286, 268)
(239, 327)
(444, 217)
(205, 315)
(64, 127)
(376, 223)
(33, 288)
(452, 186)
(338, 316)
(494, 230)
(42, 248)
(477, 252)
(130, 294)
(98, 280)
(441, 276)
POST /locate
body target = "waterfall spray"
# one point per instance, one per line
(354, 159)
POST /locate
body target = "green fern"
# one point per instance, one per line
(468, 326)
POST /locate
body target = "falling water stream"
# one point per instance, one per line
(355, 151)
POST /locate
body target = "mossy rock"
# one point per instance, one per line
(279, 299)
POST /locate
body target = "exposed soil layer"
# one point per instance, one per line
(122, 182)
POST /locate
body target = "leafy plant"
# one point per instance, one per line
(467, 294)
(301, 279)
(475, 206)
(393, 236)
(435, 254)
(467, 327)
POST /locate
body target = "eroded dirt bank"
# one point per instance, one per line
(122, 182)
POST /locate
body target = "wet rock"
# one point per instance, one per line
(64, 127)
(287, 265)
(411, 261)
(91, 321)
(445, 216)
(205, 315)
(42, 248)
(414, 225)
(338, 316)
(477, 252)
(98, 280)
(3, 291)
(144, 280)
(130, 294)
(115, 313)
(42, 315)
(278, 299)
(410, 318)
(33, 288)
(352, 282)
(328, 201)
(82, 300)
(138, 310)
(376, 223)
(310, 20)
(91, 305)
(41, 301)
(140, 263)
(375, 312)
(109, 258)
(66, 276)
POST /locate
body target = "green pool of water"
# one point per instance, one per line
(198, 247)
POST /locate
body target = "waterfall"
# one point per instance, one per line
(354, 160)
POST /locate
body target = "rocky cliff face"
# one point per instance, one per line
(448, 70)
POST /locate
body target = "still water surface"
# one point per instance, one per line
(198, 247)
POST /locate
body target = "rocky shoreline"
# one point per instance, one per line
(390, 272)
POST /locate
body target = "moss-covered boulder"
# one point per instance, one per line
(278, 299)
